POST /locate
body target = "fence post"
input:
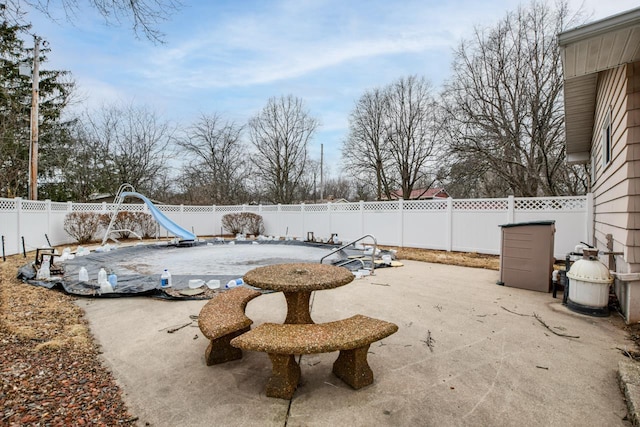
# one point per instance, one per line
(279, 216)
(401, 222)
(511, 210)
(18, 223)
(449, 225)
(181, 216)
(329, 213)
(214, 222)
(263, 220)
(48, 205)
(302, 210)
(361, 218)
(590, 219)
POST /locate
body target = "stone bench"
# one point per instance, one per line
(222, 319)
(352, 337)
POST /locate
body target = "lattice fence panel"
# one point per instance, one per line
(316, 208)
(86, 207)
(270, 208)
(551, 204)
(34, 206)
(129, 207)
(198, 209)
(59, 206)
(381, 206)
(8, 205)
(168, 208)
(290, 208)
(345, 207)
(424, 205)
(480, 205)
(228, 208)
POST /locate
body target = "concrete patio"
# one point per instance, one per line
(468, 352)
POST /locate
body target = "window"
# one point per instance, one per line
(606, 139)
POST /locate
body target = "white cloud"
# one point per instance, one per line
(264, 47)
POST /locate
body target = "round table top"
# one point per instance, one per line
(298, 277)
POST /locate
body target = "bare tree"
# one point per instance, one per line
(280, 134)
(134, 144)
(218, 159)
(411, 132)
(392, 137)
(504, 108)
(472, 179)
(309, 184)
(144, 16)
(364, 152)
(339, 188)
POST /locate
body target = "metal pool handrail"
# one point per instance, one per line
(373, 254)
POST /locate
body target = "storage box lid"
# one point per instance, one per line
(523, 224)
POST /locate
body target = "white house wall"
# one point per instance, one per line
(610, 196)
(616, 188)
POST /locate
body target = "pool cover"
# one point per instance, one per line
(139, 267)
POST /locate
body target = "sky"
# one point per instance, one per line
(229, 57)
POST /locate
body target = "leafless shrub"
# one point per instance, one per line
(125, 222)
(233, 223)
(145, 225)
(140, 222)
(243, 222)
(253, 223)
(82, 225)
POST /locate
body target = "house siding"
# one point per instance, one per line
(617, 185)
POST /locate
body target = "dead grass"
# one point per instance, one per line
(462, 259)
(38, 314)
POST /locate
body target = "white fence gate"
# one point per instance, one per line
(469, 225)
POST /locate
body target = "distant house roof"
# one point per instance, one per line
(101, 197)
(421, 194)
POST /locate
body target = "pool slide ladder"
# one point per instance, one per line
(348, 261)
(160, 218)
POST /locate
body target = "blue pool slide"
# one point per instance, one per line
(161, 218)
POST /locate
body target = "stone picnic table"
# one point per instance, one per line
(224, 322)
(301, 335)
(297, 281)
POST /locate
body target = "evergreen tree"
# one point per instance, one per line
(55, 89)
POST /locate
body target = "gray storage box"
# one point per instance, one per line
(526, 255)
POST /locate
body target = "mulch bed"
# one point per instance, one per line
(50, 373)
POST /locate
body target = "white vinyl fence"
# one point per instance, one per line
(469, 225)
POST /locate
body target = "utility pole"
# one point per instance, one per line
(321, 180)
(315, 199)
(33, 147)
